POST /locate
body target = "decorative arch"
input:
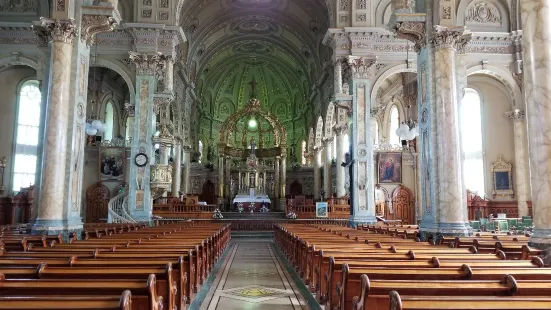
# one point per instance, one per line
(391, 71)
(381, 203)
(253, 108)
(319, 132)
(502, 75)
(122, 72)
(18, 61)
(380, 11)
(384, 130)
(329, 120)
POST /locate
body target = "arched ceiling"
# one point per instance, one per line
(275, 42)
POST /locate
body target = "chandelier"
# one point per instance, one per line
(408, 130)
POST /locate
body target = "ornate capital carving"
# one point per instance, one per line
(362, 68)
(55, 30)
(377, 111)
(412, 31)
(452, 38)
(147, 64)
(516, 114)
(94, 24)
(130, 109)
(341, 129)
(161, 101)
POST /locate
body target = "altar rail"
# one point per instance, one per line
(309, 211)
(258, 225)
(181, 210)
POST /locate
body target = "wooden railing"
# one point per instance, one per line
(181, 210)
(259, 225)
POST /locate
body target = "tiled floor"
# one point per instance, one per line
(252, 277)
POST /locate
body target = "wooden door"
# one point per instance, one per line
(296, 189)
(209, 193)
(97, 201)
(402, 205)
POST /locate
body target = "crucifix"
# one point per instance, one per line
(253, 84)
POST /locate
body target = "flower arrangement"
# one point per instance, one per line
(292, 215)
(217, 214)
(264, 209)
(240, 208)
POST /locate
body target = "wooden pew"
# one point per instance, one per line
(144, 294)
(398, 302)
(123, 302)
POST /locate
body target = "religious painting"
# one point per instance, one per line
(322, 209)
(390, 167)
(111, 164)
(503, 181)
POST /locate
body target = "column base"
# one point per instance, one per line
(541, 239)
(56, 227)
(436, 231)
(356, 220)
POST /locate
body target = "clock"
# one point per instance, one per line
(141, 159)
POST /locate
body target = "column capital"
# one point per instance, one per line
(517, 115)
(412, 31)
(130, 109)
(98, 18)
(341, 129)
(161, 100)
(147, 64)
(453, 38)
(362, 68)
(55, 30)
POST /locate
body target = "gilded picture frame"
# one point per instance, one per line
(389, 168)
(502, 179)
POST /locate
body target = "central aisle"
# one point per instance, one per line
(253, 277)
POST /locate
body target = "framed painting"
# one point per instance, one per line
(322, 209)
(389, 167)
(502, 179)
(111, 164)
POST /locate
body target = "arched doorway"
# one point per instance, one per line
(97, 201)
(402, 204)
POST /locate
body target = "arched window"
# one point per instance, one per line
(109, 120)
(303, 152)
(376, 132)
(394, 124)
(200, 150)
(26, 146)
(471, 136)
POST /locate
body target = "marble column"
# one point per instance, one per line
(51, 207)
(461, 74)
(340, 131)
(220, 200)
(186, 175)
(362, 187)
(536, 27)
(176, 169)
(327, 168)
(140, 199)
(317, 174)
(521, 165)
(450, 196)
(277, 177)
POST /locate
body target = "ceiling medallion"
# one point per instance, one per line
(254, 26)
(253, 48)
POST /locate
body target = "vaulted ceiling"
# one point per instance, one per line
(275, 42)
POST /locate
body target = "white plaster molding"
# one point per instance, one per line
(387, 73)
(100, 62)
(19, 60)
(502, 75)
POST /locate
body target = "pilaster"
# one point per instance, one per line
(363, 207)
